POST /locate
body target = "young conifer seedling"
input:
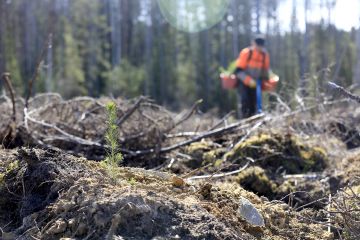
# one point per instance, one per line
(114, 157)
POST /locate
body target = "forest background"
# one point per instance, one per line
(127, 48)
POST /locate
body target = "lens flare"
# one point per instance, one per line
(193, 15)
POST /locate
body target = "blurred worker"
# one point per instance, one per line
(252, 65)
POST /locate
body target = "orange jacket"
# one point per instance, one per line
(253, 64)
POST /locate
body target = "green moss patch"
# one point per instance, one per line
(275, 152)
(256, 180)
(204, 153)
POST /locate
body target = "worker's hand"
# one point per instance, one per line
(252, 83)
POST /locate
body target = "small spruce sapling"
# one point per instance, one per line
(113, 158)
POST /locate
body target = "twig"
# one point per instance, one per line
(287, 195)
(300, 101)
(7, 81)
(191, 173)
(187, 115)
(257, 125)
(222, 120)
(219, 175)
(344, 92)
(292, 114)
(242, 124)
(130, 111)
(72, 137)
(308, 176)
(182, 134)
(325, 224)
(282, 103)
(329, 214)
(310, 203)
(37, 69)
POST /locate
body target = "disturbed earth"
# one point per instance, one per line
(289, 175)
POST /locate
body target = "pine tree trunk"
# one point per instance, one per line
(115, 35)
(258, 17)
(148, 47)
(49, 66)
(356, 74)
(304, 53)
(2, 37)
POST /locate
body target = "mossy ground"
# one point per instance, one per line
(140, 204)
(256, 180)
(273, 156)
(275, 151)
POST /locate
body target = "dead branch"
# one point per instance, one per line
(344, 92)
(10, 133)
(241, 125)
(130, 111)
(222, 120)
(183, 134)
(249, 160)
(346, 205)
(256, 126)
(220, 174)
(187, 115)
(69, 136)
(308, 109)
(37, 69)
(280, 101)
(7, 81)
(308, 176)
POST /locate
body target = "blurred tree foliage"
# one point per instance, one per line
(127, 48)
(125, 80)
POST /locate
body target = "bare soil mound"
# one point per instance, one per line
(55, 195)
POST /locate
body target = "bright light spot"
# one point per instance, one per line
(193, 15)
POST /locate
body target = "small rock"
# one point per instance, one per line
(72, 224)
(192, 189)
(59, 227)
(178, 190)
(177, 182)
(250, 213)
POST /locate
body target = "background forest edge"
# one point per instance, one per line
(126, 48)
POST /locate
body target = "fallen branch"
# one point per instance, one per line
(222, 120)
(219, 175)
(182, 135)
(10, 134)
(344, 92)
(69, 136)
(308, 176)
(130, 111)
(256, 126)
(7, 81)
(187, 115)
(37, 69)
(280, 101)
(243, 124)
